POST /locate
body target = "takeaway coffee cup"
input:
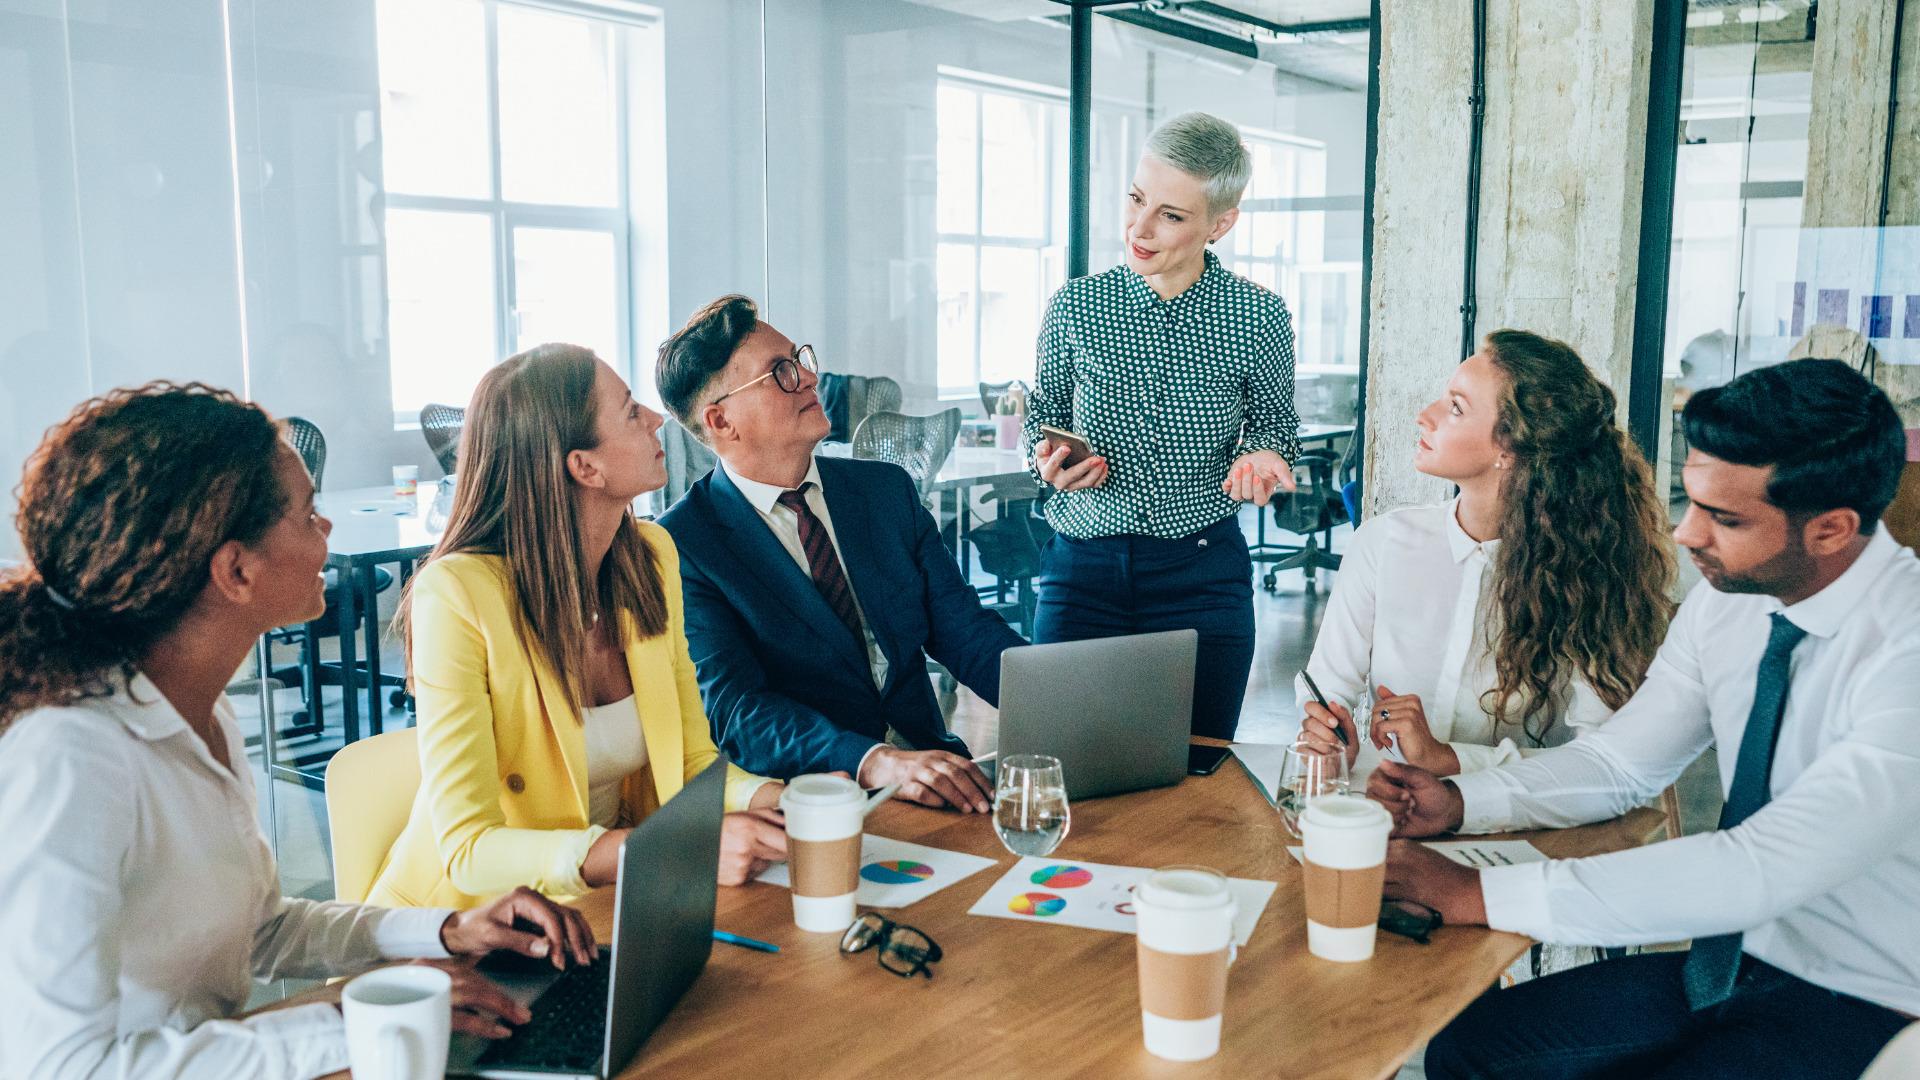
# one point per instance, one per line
(1184, 917)
(398, 1022)
(1346, 865)
(825, 818)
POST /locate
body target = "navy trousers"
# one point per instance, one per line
(1628, 1019)
(1115, 585)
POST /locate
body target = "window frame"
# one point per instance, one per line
(505, 215)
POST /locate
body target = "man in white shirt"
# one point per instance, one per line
(1799, 657)
(816, 588)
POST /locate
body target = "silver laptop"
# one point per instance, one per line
(589, 1022)
(1116, 711)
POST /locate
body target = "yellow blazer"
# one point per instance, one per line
(503, 761)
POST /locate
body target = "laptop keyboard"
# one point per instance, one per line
(569, 1025)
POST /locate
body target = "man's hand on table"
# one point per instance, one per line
(1419, 873)
(1421, 803)
(928, 777)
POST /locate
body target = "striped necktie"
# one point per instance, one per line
(824, 564)
(1714, 963)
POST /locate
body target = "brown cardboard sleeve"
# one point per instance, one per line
(824, 867)
(1344, 899)
(1182, 986)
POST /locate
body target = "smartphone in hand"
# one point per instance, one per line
(1078, 449)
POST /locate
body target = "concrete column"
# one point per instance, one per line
(1561, 169)
(1847, 139)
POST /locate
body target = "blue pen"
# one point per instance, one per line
(745, 942)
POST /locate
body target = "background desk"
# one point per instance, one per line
(1020, 999)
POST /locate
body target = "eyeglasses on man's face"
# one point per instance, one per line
(904, 950)
(785, 373)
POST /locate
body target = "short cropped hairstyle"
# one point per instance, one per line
(1832, 437)
(1203, 145)
(699, 351)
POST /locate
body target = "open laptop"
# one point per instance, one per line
(1116, 711)
(589, 1022)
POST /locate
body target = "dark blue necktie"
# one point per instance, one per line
(1715, 961)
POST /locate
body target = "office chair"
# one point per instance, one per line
(370, 790)
(440, 426)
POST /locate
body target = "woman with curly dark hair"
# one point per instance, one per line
(167, 528)
(1520, 614)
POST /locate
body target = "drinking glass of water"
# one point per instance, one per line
(1030, 804)
(1305, 775)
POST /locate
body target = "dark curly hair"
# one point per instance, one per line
(121, 509)
(1583, 575)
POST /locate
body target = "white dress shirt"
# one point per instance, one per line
(138, 897)
(1412, 610)
(1824, 880)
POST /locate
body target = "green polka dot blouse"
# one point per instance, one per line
(1171, 392)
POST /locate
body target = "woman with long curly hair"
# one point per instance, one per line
(1523, 612)
(167, 528)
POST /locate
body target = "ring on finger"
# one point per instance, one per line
(1385, 714)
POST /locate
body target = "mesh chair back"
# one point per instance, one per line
(883, 395)
(304, 435)
(1315, 504)
(441, 424)
(992, 392)
(918, 444)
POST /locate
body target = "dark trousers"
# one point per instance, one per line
(1628, 1018)
(1117, 585)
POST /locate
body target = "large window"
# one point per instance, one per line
(505, 147)
(1002, 233)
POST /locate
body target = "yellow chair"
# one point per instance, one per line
(370, 788)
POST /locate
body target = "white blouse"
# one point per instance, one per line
(140, 899)
(1412, 610)
(616, 749)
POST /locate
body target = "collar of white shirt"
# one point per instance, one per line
(1459, 543)
(764, 497)
(1823, 613)
(145, 711)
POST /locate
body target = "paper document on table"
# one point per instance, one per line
(1262, 762)
(895, 873)
(1475, 853)
(1096, 896)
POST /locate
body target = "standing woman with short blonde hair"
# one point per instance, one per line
(1179, 374)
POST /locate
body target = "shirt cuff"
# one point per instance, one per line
(1516, 899)
(857, 769)
(1474, 757)
(311, 1040)
(1485, 805)
(563, 877)
(407, 933)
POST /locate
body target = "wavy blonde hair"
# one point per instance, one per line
(1584, 571)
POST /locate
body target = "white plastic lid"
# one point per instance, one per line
(819, 789)
(1345, 812)
(1184, 887)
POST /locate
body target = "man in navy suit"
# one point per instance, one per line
(815, 587)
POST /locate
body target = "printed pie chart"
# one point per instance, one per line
(896, 872)
(1044, 905)
(1061, 877)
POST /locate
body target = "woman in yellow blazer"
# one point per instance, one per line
(556, 698)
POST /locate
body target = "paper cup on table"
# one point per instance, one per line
(1184, 917)
(398, 1022)
(825, 819)
(406, 481)
(1346, 865)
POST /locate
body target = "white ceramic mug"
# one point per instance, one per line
(1184, 919)
(399, 1020)
(826, 817)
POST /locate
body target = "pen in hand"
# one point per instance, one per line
(1322, 699)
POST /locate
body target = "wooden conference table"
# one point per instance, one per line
(1022, 999)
